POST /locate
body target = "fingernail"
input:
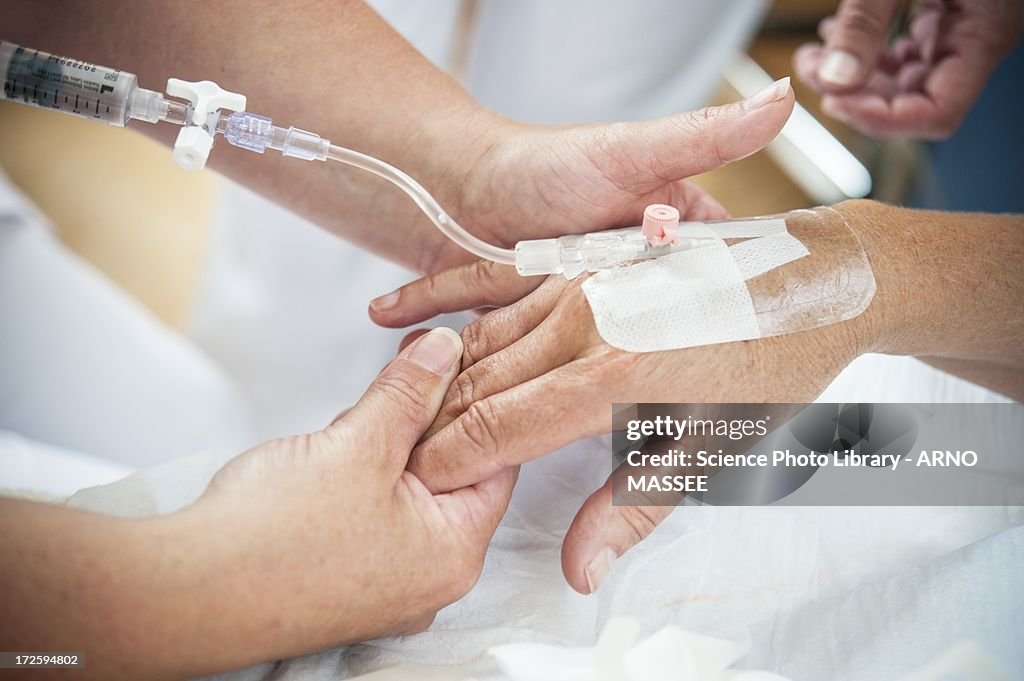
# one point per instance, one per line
(829, 108)
(839, 68)
(765, 96)
(598, 568)
(385, 302)
(436, 351)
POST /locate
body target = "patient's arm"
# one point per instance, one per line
(335, 68)
(950, 290)
(537, 376)
(298, 545)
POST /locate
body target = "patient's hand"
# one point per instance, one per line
(537, 376)
(331, 540)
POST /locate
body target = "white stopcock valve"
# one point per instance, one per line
(194, 142)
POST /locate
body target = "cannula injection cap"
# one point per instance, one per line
(661, 223)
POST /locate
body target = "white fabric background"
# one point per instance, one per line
(820, 593)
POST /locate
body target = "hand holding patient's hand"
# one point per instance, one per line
(536, 376)
(331, 533)
(925, 82)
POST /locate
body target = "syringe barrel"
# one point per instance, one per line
(67, 85)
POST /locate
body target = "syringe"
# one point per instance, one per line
(114, 97)
(81, 89)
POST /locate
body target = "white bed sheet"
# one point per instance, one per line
(820, 593)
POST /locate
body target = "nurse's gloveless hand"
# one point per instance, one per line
(924, 82)
(329, 539)
(536, 376)
(530, 182)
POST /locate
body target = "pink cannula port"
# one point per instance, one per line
(661, 224)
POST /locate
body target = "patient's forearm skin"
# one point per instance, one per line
(950, 290)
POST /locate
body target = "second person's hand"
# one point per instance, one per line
(506, 182)
(325, 539)
(925, 82)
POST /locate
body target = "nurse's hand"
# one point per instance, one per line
(516, 181)
(330, 539)
(298, 545)
(537, 376)
(922, 84)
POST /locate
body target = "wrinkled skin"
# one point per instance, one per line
(405, 552)
(536, 376)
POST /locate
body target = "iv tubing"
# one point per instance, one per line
(426, 203)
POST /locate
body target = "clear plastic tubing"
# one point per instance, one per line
(425, 202)
(258, 133)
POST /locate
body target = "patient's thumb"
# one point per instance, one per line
(600, 534)
(404, 399)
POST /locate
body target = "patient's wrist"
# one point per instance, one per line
(890, 240)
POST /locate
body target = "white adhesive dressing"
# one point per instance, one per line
(741, 229)
(689, 298)
(734, 291)
(754, 257)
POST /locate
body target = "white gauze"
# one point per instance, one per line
(691, 298)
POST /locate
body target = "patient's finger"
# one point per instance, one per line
(601, 532)
(499, 329)
(539, 351)
(477, 284)
(513, 427)
(416, 626)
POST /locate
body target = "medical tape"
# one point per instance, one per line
(754, 257)
(741, 229)
(703, 296)
(695, 297)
